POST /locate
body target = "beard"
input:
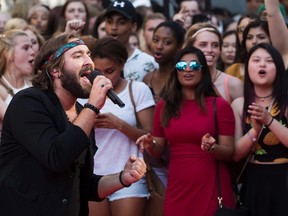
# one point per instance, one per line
(71, 83)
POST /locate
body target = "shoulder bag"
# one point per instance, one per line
(155, 186)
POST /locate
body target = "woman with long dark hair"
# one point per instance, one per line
(184, 120)
(261, 132)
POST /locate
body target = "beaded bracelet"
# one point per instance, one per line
(92, 107)
(121, 179)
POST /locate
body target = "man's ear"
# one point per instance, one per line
(55, 73)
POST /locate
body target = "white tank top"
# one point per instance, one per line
(15, 90)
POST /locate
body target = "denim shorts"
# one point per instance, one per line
(138, 189)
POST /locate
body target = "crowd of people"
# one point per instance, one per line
(200, 87)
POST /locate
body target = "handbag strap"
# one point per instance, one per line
(149, 168)
(133, 103)
(220, 198)
(217, 165)
(8, 89)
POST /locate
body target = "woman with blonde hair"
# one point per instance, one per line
(16, 65)
(15, 23)
(208, 39)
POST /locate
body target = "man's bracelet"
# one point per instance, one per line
(121, 179)
(92, 107)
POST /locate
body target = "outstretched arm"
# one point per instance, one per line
(134, 170)
(277, 29)
(155, 146)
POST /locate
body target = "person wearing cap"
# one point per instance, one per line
(47, 143)
(120, 24)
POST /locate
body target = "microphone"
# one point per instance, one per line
(111, 94)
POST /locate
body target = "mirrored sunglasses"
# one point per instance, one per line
(194, 66)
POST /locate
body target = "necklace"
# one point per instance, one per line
(263, 98)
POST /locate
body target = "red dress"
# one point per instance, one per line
(192, 185)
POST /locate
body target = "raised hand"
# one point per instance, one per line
(75, 26)
(134, 170)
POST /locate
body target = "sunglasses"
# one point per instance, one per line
(193, 65)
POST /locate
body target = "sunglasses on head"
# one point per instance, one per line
(193, 65)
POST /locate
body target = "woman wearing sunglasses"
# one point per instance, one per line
(184, 120)
(207, 38)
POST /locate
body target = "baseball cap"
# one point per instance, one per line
(123, 7)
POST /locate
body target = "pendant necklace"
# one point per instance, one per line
(263, 98)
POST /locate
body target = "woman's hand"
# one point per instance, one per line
(207, 142)
(183, 18)
(144, 142)
(259, 116)
(107, 120)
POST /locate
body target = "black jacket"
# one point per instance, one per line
(38, 153)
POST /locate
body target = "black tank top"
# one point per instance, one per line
(269, 148)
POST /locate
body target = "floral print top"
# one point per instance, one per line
(268, 147)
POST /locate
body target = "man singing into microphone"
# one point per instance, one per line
(47, 145)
